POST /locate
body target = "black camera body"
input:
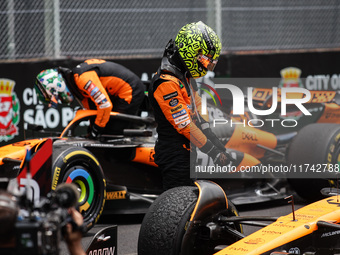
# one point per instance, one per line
(39, 228)
(37, 236)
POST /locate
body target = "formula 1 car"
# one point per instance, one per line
(201, 220)
(116, 169)
(310, 141)
(121, 171)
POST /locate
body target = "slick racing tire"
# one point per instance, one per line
(79, 166)
(314, 146)
(165, 223)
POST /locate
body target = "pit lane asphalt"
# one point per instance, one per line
(129, 225)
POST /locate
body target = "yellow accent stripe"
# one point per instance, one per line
(81, 152)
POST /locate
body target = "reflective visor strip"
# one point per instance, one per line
(207, 62)
(43, 91)
(208, 41)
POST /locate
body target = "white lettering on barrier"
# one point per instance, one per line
(29, 97)
(67, 115)
(49, 119)
(323, 82)
(52, 118)
(105, 251)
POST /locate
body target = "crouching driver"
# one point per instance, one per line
(97, 84)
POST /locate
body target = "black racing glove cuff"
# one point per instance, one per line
(212, 137)
(210, 149)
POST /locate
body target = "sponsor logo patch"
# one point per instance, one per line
(173, 102)
(100, 99)
(87, 85)
(171, 95)
(104, 104)
(94, 91)
(178, 114)
(95, 96)
(183, 124)
(116, 195)
(183, 118)
(92, 88)
(176, 108)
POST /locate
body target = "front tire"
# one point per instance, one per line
(166, 222)
(79, 166)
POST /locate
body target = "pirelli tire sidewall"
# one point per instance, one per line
(79, 166)
(166, 222)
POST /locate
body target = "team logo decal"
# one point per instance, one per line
(9, 110)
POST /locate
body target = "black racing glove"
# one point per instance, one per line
(212, 136)
(220, 157)
(95, 131)
(223, 159)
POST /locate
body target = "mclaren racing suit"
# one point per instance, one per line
(171, 101)
(107, 86)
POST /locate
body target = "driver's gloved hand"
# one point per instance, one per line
(212, 136)
(95, 131)
(220, 157)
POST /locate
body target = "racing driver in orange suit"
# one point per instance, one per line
(98, 84)
(173, 95)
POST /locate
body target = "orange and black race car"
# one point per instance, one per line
(202, 221)
(298, 148)
(117, 171)
(120, 170)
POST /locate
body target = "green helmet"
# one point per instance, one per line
(51, 88)
(199, 47)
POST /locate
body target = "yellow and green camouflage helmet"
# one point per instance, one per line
(199, 47)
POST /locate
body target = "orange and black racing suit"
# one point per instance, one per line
(172, 108)
(108, 86)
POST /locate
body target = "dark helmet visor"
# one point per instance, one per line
(207, 62)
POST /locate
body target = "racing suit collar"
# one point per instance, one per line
(168, 67)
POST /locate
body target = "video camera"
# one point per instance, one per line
(39, 227)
